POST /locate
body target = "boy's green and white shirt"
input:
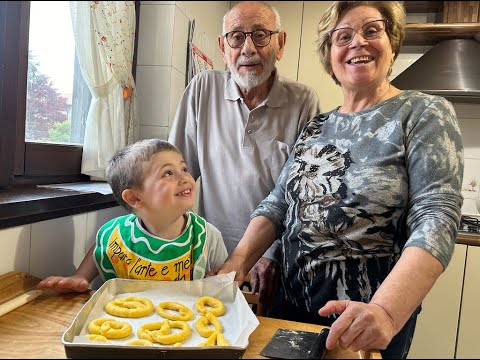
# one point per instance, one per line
(124, 249)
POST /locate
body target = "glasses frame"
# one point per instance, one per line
(360, 32)
(250, 33)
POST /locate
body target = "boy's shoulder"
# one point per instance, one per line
(199, 218)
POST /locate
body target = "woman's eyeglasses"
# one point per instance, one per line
(261, 37)
(371, 30)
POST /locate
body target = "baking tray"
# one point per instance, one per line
(238, 321)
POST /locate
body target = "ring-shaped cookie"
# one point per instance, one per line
(211, 341)
(184, 313)
(160, 332)
(140, 342)
(129, 307)
(201, 325)
(221, 341)
(145, 331)
(216, 338)
(110, 328)
(216, 307)
(97, 338)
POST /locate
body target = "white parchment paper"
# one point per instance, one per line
(238, 321)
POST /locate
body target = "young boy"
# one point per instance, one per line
(161, 239)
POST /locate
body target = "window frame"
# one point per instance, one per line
(27, 162)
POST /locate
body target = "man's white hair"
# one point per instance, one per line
(278, 23)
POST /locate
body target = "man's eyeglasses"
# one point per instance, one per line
(261, 37)
(371, 30)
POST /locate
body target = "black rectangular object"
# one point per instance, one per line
(293, 344)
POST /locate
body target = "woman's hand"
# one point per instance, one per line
(360, 326)
(231, 264)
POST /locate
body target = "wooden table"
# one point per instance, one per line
(35, 330)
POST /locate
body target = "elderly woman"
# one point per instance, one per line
(369, 202)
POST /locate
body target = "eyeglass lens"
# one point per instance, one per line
(236, 39)
(369, 31)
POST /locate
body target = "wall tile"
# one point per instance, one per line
(407, 56)
(208, 25)
(470, 129)
(149, 132)
(309, 70)
(157, 2)
(155, 35)
(291, 17)
(467, 110)
(153, 89)
(15, 254)
(180, 41)
(471, 187)
(177, 88)
(58, 246)
(96, 219)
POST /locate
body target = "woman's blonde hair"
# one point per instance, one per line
(392, 11)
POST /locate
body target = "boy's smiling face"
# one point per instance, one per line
(168, 188)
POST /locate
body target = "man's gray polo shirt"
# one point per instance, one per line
(237, 152)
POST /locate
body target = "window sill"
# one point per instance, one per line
(22, 205)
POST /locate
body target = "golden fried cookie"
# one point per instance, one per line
(216, 338)
(140, 342)
(215, 306)
(184, 313)
(161, 332)
(129, 307)
(110, 328)
(221, 341)
(211, 341)
(98, 338)
(203, 322)
(145, 331)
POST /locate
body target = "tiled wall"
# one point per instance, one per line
(52, 247)
(161, 59)
(469, 119)
(468, 115)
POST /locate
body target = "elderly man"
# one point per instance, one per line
(236, 128)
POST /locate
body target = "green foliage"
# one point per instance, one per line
(59, 132)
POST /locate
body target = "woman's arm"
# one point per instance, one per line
(257, 238)
(372, 326)
(434, 164)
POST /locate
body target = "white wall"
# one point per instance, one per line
(52, 247)
(161, 59)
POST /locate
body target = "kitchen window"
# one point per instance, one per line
(44, 100)
(42, 114)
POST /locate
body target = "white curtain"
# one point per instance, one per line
(104, 34)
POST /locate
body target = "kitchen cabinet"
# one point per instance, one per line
(447, 326)
(441, 29)
(430, 34)
(436, 331)
(468, 344)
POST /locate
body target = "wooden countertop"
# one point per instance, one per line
(35, 330)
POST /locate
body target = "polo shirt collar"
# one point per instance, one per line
(276, 98)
